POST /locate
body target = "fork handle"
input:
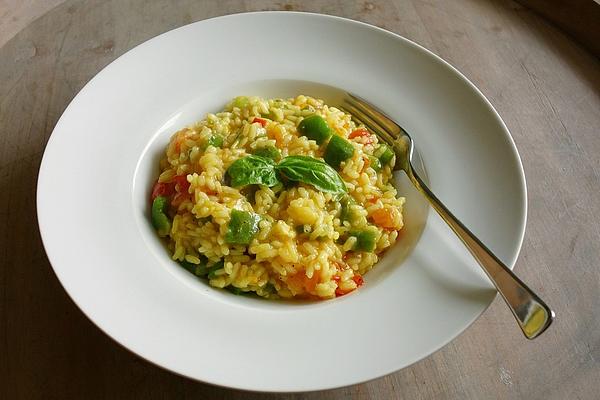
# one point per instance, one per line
(532, 314)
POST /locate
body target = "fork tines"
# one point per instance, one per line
(375, 120)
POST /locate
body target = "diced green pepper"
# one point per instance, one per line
(211, 271)
(242, 227)
(188, 266)
(346, 213)
(366, 240)
(375, 163)
(270, 288)
(384, 153)
(271, 152)
(215, 141)
(200, 270)
(160, 220)
(235, 290)
(314, 128)
(338, 150)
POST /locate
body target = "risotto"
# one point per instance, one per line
(281, 198)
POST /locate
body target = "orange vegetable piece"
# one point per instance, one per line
(386, 218)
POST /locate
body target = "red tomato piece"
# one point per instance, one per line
(361, 132)
(358, 279)
(263, 122)
(162, 189)
(179, 198)
(358, 133)
(182, 183)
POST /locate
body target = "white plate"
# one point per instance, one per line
(101, 159)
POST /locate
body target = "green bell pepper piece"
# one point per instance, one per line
(338, 150)
(160, 220)
(315, 128)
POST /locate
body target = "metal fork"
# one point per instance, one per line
(532, 314)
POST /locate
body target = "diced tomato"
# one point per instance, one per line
(335, 278)
(361, 132)
(162, 189)
(167, 189)
(179, 198)
(182, 184)
(373, 200)
(358, 279)
(263, 122)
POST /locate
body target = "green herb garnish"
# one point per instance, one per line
(312, 172)
(253, 170)
(271, 152)
(308, 170)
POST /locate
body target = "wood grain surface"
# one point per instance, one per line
(546, 88)
(578, 18)
(17, 14)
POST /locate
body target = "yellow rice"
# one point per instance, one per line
(279, 262)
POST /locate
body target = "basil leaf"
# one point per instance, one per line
(312, 172)
(253, 170)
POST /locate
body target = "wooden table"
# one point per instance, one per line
(546, 88)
